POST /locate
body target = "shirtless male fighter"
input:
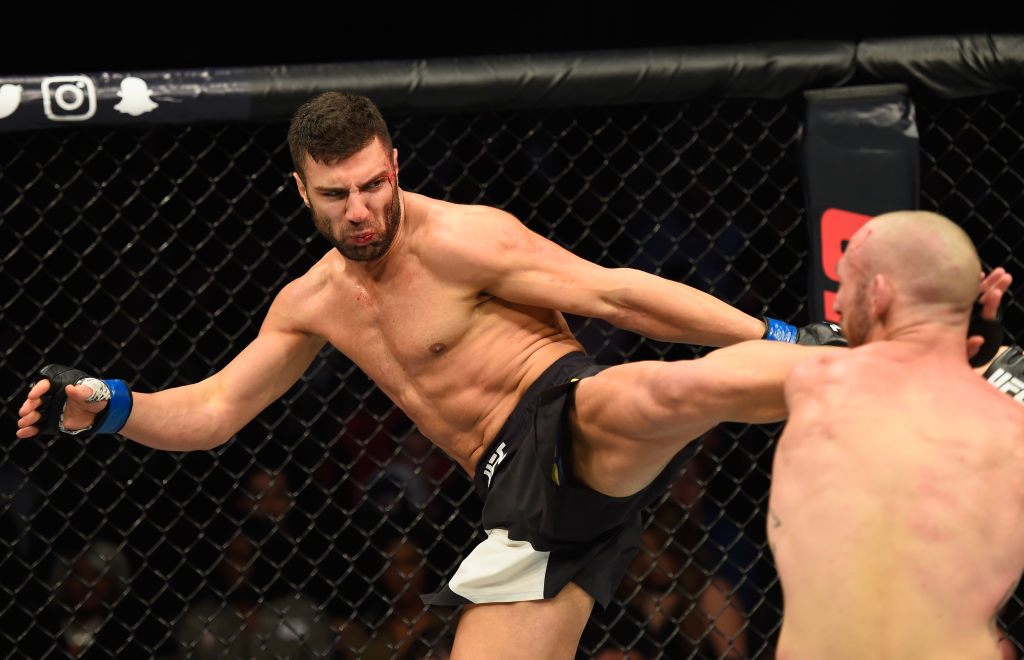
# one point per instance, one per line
(896, 513)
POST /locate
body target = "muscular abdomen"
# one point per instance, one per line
(460, 396)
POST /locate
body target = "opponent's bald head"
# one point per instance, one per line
(929, 258)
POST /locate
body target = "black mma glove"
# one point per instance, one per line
(820, 333)
(991, 330)
(1006, 373)
(51, 408)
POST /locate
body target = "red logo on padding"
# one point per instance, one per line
(837, 227)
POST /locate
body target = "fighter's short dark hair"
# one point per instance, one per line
(333, 126)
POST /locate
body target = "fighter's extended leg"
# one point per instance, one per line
(630, 420)
(525, 630)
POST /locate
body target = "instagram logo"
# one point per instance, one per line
(68, 98)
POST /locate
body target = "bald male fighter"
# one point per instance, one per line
(896, 514)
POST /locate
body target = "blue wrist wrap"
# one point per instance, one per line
(119, 407)
(778, 331)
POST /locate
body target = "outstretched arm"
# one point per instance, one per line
(520, 266)
(205, 414)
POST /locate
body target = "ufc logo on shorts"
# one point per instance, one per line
(497, 457)
(1006, 382)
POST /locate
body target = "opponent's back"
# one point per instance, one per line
(897, 507)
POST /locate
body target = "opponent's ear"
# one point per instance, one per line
(394, 160)
(881, 296)
(302, 188)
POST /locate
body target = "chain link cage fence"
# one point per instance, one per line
(152, 254)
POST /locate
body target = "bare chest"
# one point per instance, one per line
(405, 321)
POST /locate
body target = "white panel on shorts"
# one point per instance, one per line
(500, 570)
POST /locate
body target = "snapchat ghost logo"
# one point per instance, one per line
(135, 99)
(10, 98)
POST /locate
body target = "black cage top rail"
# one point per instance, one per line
(948, 67)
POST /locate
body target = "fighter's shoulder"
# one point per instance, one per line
(318, 277)
(450, 235)
(823, 368)
(302, 295)
(1005, 414)
(441, 219)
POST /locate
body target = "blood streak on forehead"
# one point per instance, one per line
(850, 257)
(858, 238)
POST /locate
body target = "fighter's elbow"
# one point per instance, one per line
(212, 426)
(209, 442)
(220, 433)
(626, 318)
(626, 308)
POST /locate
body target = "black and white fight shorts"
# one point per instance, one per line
(542, 532)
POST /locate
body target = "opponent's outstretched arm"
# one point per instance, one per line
(197, 416)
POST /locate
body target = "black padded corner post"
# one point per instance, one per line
(860, 159)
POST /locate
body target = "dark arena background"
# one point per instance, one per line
(146, 241)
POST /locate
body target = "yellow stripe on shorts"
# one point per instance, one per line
(555, 472)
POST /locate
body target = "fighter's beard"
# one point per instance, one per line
(856, 321)
(370, 251)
